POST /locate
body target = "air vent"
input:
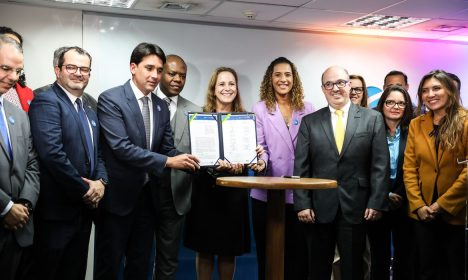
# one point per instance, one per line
(173, 6)
(447, 28)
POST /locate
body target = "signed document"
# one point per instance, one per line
(215, 136)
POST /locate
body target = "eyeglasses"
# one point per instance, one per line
(339, 84)
(392, 103)
(357, 90)
(8, 70)
(71, 69)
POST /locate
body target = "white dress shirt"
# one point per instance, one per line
(138, 96)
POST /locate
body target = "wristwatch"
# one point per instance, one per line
(104, 182)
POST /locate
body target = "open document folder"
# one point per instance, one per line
(228, 136)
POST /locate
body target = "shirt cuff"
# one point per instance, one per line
(7, 209)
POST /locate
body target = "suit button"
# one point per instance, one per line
(435, 170)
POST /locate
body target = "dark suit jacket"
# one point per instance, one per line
(60, 142)
(361, 170)
(124, 146)
(181, 181)
(19, 177)
(87, 98)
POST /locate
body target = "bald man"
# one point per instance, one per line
(346, 143)
(173, 197)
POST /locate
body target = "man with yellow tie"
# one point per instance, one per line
(346, 143)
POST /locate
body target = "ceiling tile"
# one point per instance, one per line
(291, 3)
(461, 15)
(199, 7)
(319, 17)
(426, 8)
(263, 12)
(362, 6)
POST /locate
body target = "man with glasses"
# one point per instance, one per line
(346, 143)
(19, 169)
(19, 95)
(87, 98)
(73, 176)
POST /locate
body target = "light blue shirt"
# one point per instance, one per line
(394, 148)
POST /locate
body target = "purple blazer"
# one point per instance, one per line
(279, 143)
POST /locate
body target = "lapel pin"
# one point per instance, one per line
(93, 123)
(11, 119)
(29, 102)
(295, 122)
(159, 108)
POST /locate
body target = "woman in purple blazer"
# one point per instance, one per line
(279, 115)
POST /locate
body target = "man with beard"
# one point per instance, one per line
(66, 134)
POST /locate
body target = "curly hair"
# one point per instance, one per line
(451, 125)
(364, 89)
(210, 102)
(267, 92)
(407, 113)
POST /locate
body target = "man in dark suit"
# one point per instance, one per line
(87, 98)
(19, 169)
(66, 134)
(346, 143)
(138, 147)
(173, 197)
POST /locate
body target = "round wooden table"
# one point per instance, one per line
(275, 212)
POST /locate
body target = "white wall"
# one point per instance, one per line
(110, 40)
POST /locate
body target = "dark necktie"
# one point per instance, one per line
(146, 120)
(4, 131)
(85, 125)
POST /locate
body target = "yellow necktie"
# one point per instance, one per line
(339, 130)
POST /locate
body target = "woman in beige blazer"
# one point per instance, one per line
(435, 182)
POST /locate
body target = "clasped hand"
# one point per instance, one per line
(94, 193)
(17, 217)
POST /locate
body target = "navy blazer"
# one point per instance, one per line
(127, 158)
(61, 145)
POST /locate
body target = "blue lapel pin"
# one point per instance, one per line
(159, 108)
(11, 119)
(93, 123)
(295, 122)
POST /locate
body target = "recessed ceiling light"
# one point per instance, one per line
(107, 3)
(385, 22)
(447, 28)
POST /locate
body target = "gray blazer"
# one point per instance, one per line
(181, 183)
(19, 178)
(362, 169)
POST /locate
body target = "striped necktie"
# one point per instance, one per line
(146, 120)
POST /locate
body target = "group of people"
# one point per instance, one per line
(123, 163)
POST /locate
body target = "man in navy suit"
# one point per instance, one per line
(66, 135)
(138, 145)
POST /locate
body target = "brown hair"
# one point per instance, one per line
(364, 89)
(267, 92)
(210, 102)
(451, 125)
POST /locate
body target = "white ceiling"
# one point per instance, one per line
(304, 15)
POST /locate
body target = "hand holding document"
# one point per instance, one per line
(229, 137)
